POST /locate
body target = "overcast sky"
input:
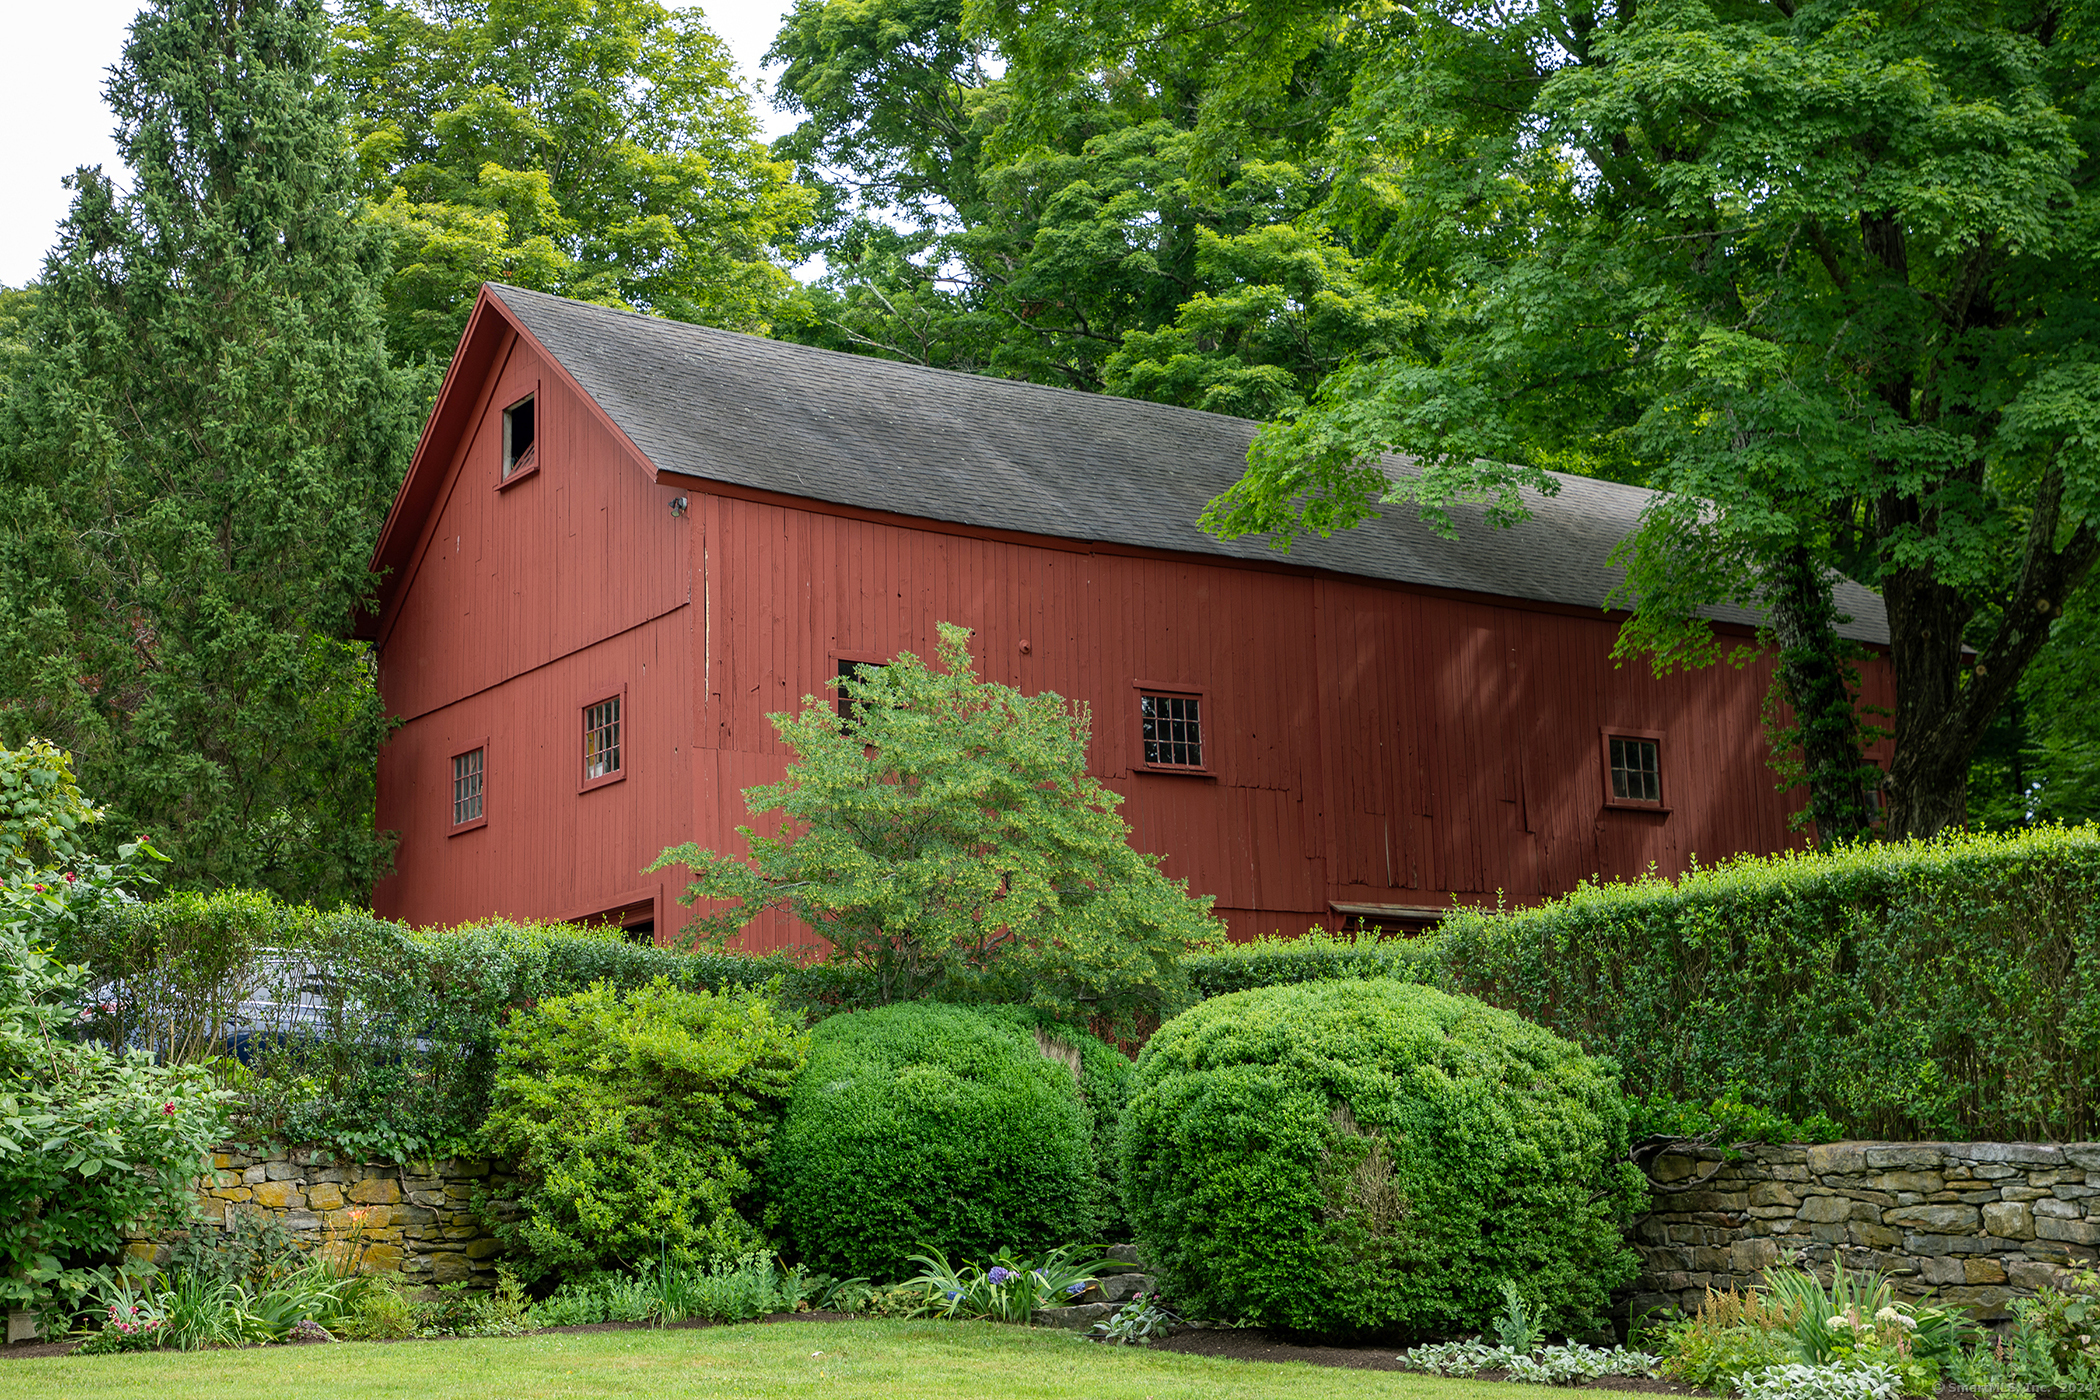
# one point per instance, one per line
(51, 104)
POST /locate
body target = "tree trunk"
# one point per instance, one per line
(1818, 686)
(1945, 696)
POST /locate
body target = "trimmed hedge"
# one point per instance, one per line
(1375, 1156)
(368, 1035)
(1316, 957)
(1944, 989)
(927, 1124)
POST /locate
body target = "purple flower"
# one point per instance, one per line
(999, 1274)
(1076, 1288)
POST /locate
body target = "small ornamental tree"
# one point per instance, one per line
(948, 838)
(90, 1141)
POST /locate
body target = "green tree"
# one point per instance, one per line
(949, 839)
(1824, 273)
(1073, 240)
(198, 450)
(91, 1142)
(599, 149)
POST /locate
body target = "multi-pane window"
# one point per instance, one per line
(1636, 769)
(601, 739)
(1173, 729)
(466, 786)
(518, 438)
(849, 708)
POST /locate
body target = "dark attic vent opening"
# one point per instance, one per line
(518, 442)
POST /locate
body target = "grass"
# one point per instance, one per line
(825, 1361)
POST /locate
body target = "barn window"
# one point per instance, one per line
(469, 792)
(849, 708)
(519, 444)
(1633, 769)
(1170, 728)
(601, 739)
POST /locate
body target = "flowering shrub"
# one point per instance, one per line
(1856, 1320)
(130, 1323)
(1010, 1290)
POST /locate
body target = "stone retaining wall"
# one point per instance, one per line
(417, 1218)
(1976, 1223)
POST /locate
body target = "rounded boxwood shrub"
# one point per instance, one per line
(928, 1124)
(1375, 1156)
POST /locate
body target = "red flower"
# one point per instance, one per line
(70, 877)
(167, 1108)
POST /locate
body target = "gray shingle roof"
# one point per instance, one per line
(1002, 454)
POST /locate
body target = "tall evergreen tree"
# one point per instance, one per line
(198, 448)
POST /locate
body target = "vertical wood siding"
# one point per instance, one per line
(1367, 743)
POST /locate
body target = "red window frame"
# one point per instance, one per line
(451, 789)
(1662, 781)
(621, 742)
(1206, 734)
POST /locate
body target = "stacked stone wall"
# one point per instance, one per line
(1974, 1223)
(417, 1218)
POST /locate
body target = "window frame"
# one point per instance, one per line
(1662, 781)
(839, 698)
(505, 477)
(1206, 734)
(626, 721)
(451, 776)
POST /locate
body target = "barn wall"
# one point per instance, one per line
(522, 605)
(1371, 744)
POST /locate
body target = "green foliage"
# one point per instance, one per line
(637, 1121)
(1822, 272)
(1733, 1335)
(1009, 1289)
(926, 1126)
(949, 841)
(1318, 956)
(91, 1140)
(1726, 1119)
(2055, 1344)
(192, 1310)
(665, 1291)
(1924, 990)
(391, 1055)
(1854, 1320)
(1375, 1155)
(600, 150)
(1083, 237)
(197, 447)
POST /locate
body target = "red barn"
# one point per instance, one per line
(625, 541)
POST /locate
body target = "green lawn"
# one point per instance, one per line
(828, 1361)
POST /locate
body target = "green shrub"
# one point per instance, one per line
(1374, 1155)
(401, 1059)
(636, 1121)
(1105, 1075)
(93, 1139)
(1317, 957)
(925, 1125)
(1940, 989)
